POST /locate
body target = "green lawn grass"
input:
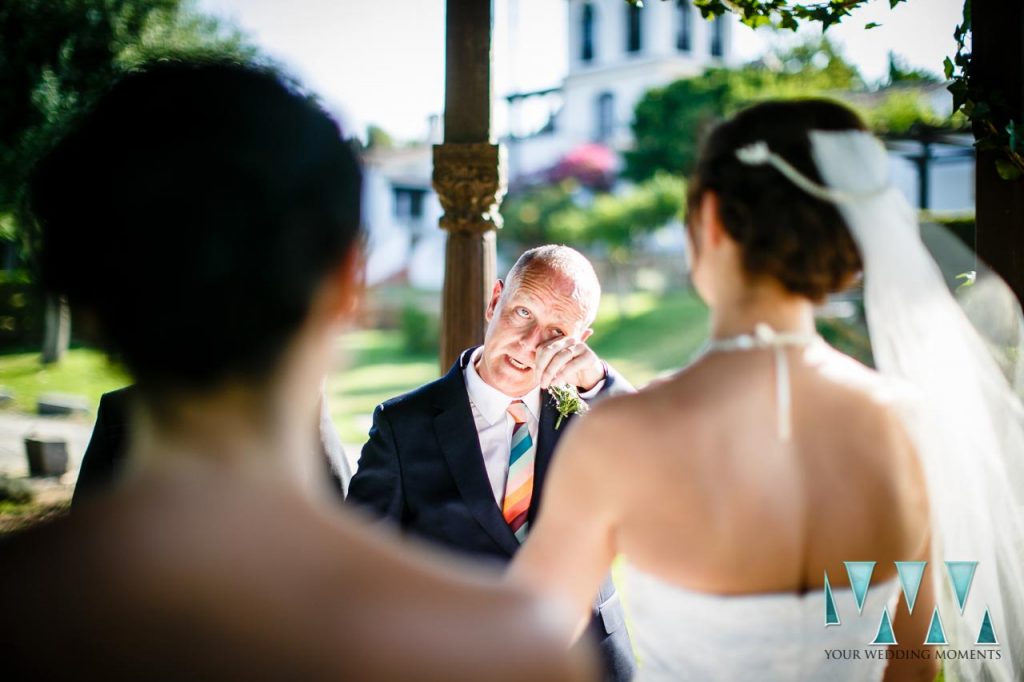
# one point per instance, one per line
(642, 335)
(652, 335)
(82, 372)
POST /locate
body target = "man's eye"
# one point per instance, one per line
(557, 332)
(522, 312)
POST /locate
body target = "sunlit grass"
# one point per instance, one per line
(82, 372)
(374, 367)
(651, 335)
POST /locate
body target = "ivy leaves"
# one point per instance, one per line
(986, 110)
(780, 13)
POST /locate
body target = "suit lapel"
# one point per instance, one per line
(547, 438)
(456, 433)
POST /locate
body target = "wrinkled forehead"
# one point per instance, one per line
(556, 291)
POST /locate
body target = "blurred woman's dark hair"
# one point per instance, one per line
(192, 214)
(784, 232)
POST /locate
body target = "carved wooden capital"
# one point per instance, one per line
(469, 179)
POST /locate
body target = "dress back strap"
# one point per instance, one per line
(764, 337)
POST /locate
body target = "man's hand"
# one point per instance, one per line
(566, 360)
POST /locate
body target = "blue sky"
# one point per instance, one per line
(382, 61)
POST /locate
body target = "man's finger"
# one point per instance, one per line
(549, 351)
(584, 371)
(570, 371)
(557, 363)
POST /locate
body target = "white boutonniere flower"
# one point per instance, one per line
(567, 402)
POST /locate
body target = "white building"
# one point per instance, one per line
(617, 52)
(402, 212)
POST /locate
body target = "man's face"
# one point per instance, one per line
(536, 308)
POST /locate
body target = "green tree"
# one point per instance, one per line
(58, 55)
(900, 73)
(901, 110)
(377, 138)
(615, 221)
(669, 121)
(527, 213)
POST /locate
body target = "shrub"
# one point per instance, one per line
(15, 490)
(421, 331)
(21, 312)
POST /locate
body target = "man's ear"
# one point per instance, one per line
(710, 228)
(499, 286)
(586, 335)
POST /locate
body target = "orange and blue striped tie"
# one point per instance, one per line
(519, 486)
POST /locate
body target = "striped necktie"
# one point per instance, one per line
(519, 486)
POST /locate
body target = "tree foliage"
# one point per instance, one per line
(668, 121)
(527, 212)
(58, 55)
(377, 138)
(616, 220)
(901, 74)
(564, 212)
(901, 110)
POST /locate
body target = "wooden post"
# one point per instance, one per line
(469, 177)
(998, 67)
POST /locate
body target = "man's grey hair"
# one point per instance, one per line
(568, 262)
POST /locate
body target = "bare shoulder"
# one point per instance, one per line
(861, 389)
(876, 411)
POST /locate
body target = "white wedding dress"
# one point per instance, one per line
(681, 634)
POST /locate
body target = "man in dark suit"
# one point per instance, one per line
(461, 461)
(104, 457)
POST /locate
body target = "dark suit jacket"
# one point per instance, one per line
(104, 457)
(423, 469)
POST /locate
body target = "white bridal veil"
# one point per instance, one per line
(968, 426)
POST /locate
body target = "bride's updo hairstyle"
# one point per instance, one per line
(784, 232)
(191, 216)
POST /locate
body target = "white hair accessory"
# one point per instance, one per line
(758, 154)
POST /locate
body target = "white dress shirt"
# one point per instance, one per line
(494, 423)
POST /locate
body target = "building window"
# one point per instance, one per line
(718, 37)
(409, 203)
(634, 39)
(605, 116)
(684, 36)
(587, 21)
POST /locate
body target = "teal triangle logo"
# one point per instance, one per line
(911, 573)
(831, 614)
(987, 634)
(961, 574)
(885, 634)
(936, 635)
(859, 573)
